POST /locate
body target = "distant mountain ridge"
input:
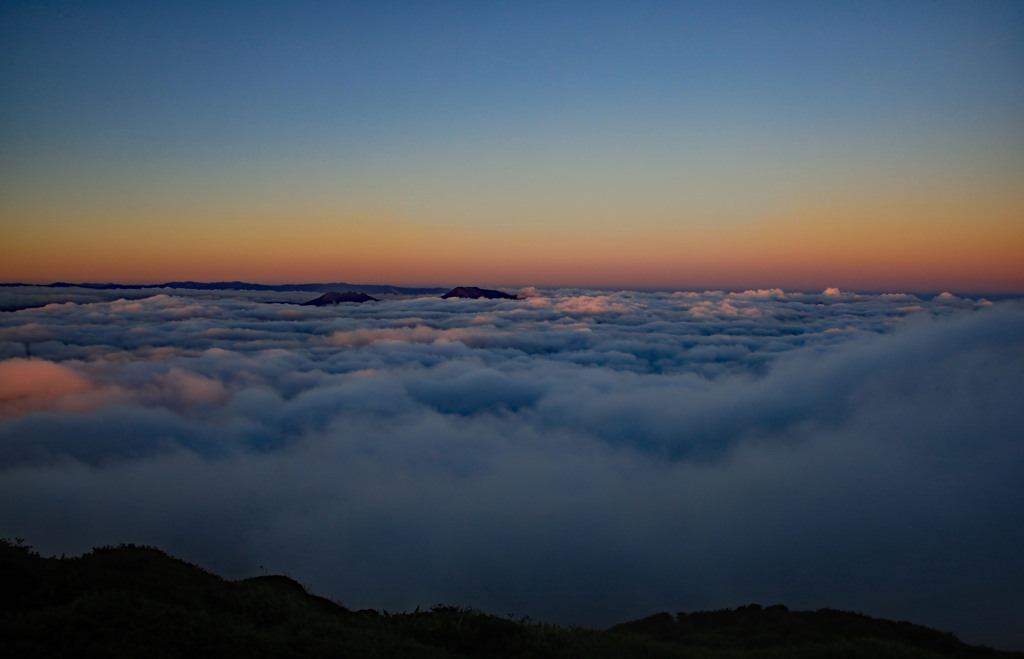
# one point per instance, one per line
(369, 289)
(475, 293)
(337, 297)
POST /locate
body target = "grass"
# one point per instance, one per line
(132, 601)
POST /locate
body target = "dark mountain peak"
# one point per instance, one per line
(475, 293)
(336, 297)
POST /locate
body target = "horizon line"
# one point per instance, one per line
(640, 289)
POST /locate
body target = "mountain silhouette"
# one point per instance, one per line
(476, 293)
(336, 297)
(372, 289)
(137, 601)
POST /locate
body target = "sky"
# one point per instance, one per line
(874, 146)
(576, 456)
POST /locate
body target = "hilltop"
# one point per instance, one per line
(139, 601)
(335, 297)
(474, 292)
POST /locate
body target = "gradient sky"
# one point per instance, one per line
(680, 145)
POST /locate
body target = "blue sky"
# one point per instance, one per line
(353, 74)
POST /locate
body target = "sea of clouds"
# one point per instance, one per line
(578, 456)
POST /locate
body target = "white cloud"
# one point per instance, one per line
(578, 456)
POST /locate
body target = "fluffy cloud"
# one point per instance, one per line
(28, 386)
(578, 456)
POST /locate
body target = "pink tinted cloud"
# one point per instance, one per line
(32, 385)
(585, 305)
(192, 388)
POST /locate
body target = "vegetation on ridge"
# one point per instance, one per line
(131, 601)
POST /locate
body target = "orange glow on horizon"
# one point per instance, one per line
(887, 246)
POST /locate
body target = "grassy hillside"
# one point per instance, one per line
(132, 601)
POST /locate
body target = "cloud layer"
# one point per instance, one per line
(579, 456)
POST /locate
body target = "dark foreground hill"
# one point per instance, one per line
(134, 601)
